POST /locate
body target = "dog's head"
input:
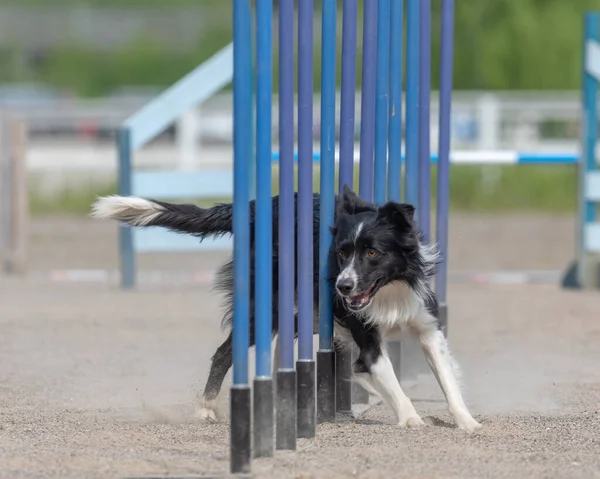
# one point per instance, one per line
(372, 247)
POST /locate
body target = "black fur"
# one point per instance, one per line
(389, 230)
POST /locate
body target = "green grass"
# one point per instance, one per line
(472, 188)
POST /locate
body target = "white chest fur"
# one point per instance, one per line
(396, 306)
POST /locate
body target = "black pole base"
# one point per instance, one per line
(285, 430)
(343, 381)
(263, 417)
(240, 454)
(570, 279)
(326, 385)
(307, 414)
(443, 318)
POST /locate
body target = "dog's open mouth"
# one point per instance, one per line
(356, 303)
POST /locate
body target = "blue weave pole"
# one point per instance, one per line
(381, 101)
(367, 114)
(394, 133)
(126, 246)
(367, 124)
(443, 165)
(305, 366)
(424, 170)
(326, 356)
(348, 92)
(343, 359)
(242, 118)
(412, 102)
(395, 102)
(263, 283)
(285, 437)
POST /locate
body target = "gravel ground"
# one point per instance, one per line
(477, 242)
(99, 383)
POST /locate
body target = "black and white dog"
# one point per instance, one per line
(380, 279)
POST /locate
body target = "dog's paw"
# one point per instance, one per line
(207, 411)
(411, 421)
(206, 414)
(468, 424)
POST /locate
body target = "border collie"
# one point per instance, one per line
(380, 272)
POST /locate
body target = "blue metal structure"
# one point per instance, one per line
(343, 359)
(367, 99)
(424, 169)
(381, 101)
(443, 164)
(305, 366)
(286, 375)
(242, 143)
(394, 174)
(412, 102)
(326, 355)
(263, 281)
(394, 132)
(585, 271)
(143, 126)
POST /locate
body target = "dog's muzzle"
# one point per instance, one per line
(345, 286)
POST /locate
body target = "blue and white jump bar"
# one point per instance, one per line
(484, 157)
(589, 188)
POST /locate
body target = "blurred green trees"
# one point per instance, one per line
(499, 44)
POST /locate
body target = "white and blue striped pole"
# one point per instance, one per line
(589, 236)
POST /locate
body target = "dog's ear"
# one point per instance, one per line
(333, 230)
(349, 203)
(398, 211)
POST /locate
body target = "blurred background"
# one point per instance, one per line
(74, 70)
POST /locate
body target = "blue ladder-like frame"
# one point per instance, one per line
(589, 235)
(584, 272)
(144, 125)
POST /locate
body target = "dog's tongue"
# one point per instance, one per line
(361, 297)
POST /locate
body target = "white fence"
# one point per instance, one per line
(14, 213)
(529, 121)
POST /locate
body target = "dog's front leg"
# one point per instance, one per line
(374, 367)
(438, 357)
(382, 378)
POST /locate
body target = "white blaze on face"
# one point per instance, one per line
(349, 272)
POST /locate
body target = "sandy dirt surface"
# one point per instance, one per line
(99, 383)
(477, 242)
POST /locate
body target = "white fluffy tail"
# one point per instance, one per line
(133, 210)
(184, 218)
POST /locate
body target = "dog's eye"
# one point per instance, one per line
(340, 253)
(371, 253)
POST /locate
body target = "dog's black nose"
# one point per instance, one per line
(345, 286)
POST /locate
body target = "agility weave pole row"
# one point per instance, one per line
(379, 179)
